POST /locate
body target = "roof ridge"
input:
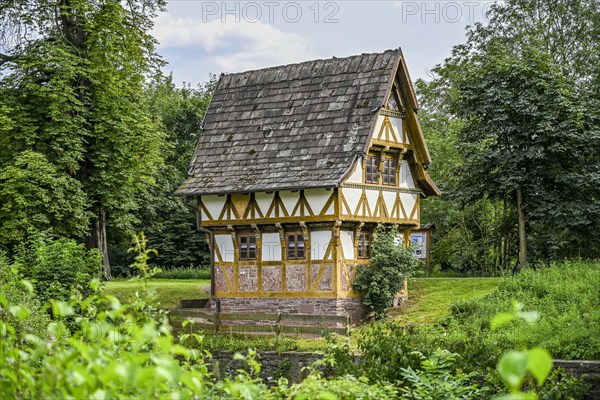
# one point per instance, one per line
(399, 50)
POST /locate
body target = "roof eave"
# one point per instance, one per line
(179, 193)
(428, 186)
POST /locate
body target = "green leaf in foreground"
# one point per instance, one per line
(513, 368)
(540, 364)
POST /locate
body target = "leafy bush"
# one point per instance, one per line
(437, 378)
(391, 264)
(16, 292)
(202, 272)
(121, 351)
(567, 297)
(411, 358)
(345, 387)
(559, 386)
(128, 351)
(58, 268)
(386, 354)
(383, 348)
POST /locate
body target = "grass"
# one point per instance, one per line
(430, 299)
(566, 297)
(168, 291)
(233, 342)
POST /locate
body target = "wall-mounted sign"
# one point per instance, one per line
(420, 243)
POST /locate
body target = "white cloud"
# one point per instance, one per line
(233, 46)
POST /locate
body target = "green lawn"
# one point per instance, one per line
(168, 291)
(430, 299)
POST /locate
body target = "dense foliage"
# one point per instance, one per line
(512, 117)
(128, 351)
(169, 223)
(391, 264)
(565, 297)
(99, 347)
(72, 103)
(17, 292)
(58, 269)
(78, 163)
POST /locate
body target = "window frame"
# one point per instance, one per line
(363, 249)
(372, 161)
(405, 172)
(295, 235)
(245, 253)
(395, 93)
(389, 171)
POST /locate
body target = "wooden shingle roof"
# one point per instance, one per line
(289, 127)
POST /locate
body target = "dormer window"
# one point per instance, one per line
(389, 171)
(372, 169)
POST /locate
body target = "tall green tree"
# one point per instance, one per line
(526, 141)
(470, 237)
(567, 30)
(72, 85)
(526, 86)
(169, 223)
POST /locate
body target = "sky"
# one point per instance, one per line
(198, 38)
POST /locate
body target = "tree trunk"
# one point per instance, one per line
(97, 240)
(522, 233)
(504, 236)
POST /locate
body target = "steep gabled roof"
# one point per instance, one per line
(289, 127)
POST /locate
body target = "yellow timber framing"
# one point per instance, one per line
(401, 86)
(334, 253)
(312, 288)
(409, 217)
(244, 210)
(386, 135)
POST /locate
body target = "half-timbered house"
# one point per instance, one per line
(295, 167)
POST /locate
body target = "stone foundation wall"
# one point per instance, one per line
(587, 370)
(317, 306)
(290, 365)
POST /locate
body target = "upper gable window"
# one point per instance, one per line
(389, 171)
(394, 101)
(295, 246)
(247, 247)
(372, 169)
